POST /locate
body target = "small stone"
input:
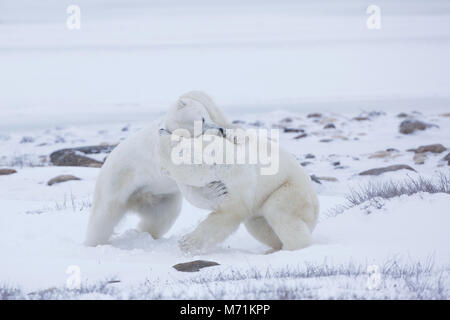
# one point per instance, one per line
(433, 148)
(326, 140)
(286, 120)
(337, 163)
(410, 126)
(314, 115)
(402, 115)
(361, 118)
(303, 135)
(257, 124)
(330, 126)
(238, 122)
(194, 266)
(446, 115)
(330, 179)
(62, 178)
(6, 171)
(378, 171)
(305, 163)
(419, 158)
(309, 156)
(27, 140)
(295, 130)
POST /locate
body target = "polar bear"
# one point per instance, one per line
(280, 209)
(131, 179)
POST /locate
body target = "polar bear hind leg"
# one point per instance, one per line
(292, 217)
(157, 212)
(263, 232)
(102, 222)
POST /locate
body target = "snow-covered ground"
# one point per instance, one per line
(42, 227)
(271, 62)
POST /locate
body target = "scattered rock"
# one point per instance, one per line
(27, 140)
(330, 179)
(315, 179)
(257, 124)
(447, 158)
(314, 115)
(5, 171)
(305, 163)
(337, 163)
(361, 118)
(296, 130)
(389, 153)
(194, 266)
(286, 120)
(326, 140)
(410, 126)
(310, 156)
(303, 135)
(433, 148)
(378, 171)
(446, 115)
(238, 122)
(392, 150)
(75, 157)
(327, 120)
(330, 126)
(62, 178)
(402, 115)
(419, 158)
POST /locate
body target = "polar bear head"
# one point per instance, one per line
(195, 106)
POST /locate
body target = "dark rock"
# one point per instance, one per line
(303, 135)
(326, 140)
(378, 171)
(305, 163)
(391, 150)
(361, 118)
(433, 148)
(402, 115)
(75, 157)
(238, 122)
(330, 126)
(447, 157)
(62, 178)
(194, 266)
(314, 115)
(5, 172)
(296, 130)
(286, 120)
(309, 156)
(410, 126)
(337, 163)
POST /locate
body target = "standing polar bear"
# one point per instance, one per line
(131, 179)
(279, 209)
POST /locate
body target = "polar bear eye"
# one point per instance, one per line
(203, 120)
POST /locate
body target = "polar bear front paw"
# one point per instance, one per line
(191, 244)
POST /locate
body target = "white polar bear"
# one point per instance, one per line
(280, 210)
(131, 179)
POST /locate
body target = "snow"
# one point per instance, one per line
(261, 61)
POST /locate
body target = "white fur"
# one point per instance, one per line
(279, 210)
(131, 178)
